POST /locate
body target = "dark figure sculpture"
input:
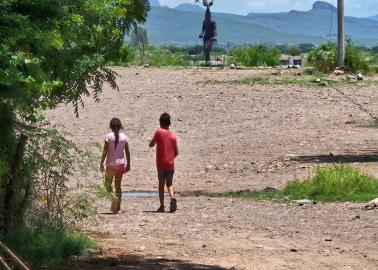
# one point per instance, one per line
(209, 31)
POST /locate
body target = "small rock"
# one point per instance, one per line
(323, 84)
(293, 250)
(351, 79)
(372, 205)
(356, 217)
(232, 66)
(339, 72)
(203, 246)
(269, 190)
(304, 202)
(146, 65)
(328, 240)
(360, 77)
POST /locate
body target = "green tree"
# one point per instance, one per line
(139, 39)
(51, 52)
(293, 50)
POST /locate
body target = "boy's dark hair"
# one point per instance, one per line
(165, 119)
(115, 124)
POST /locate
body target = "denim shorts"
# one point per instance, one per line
(165, 175)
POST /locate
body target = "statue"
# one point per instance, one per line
(209, 31)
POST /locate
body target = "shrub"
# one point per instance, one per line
(323, 58)
(160, 56)
(127, 55)
(293, 50)
(252, 56)
(50, 159)
(335, 183)
(355, 59)
(46, 248)
(330, 184)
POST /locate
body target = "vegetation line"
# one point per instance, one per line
(336, 183)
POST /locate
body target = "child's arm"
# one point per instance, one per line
(127, 151)
(152, 143)
(104, 154)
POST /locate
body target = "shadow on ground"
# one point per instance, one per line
(347, 158)
(127, 262)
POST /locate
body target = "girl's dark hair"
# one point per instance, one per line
(165, 119)
(116, 125)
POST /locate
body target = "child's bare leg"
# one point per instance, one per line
(170, 188)
(118, 180)
(108, 183)
(161, 191)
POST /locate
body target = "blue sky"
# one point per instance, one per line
(358, 8)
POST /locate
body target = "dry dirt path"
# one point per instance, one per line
(233, 137)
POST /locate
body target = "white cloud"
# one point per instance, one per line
(359, 8)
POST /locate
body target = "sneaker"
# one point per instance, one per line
(173, 206)
(161, 209)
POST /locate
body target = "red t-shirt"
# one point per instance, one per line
(166, 146)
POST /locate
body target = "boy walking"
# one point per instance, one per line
(166, 152)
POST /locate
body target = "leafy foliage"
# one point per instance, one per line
(139, 39)
(163, 57)
(356, 59)
(51, 52)
(330, 184)
(252, 56)
(47, 248)
(323, 58)
(335, 183)
(51, 159)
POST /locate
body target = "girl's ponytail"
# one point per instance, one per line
(116, 126)
(116, 134)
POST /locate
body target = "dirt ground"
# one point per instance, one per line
(231, 137)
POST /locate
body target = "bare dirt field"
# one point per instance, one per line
(231, 137)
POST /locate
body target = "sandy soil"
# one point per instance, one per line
(232, 137)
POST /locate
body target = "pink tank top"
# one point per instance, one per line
(116, 154)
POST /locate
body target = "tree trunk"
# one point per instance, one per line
(11, 188)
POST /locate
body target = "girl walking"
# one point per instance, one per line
(115, 148)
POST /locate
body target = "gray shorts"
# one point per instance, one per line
(165, 175)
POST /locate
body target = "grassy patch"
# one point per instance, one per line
(336, 183)
(47, 248)
(105, 194)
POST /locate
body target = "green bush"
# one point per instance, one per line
(323, 58)
(355, 59)
(253, 56)
(335, 183)
(159, 56)
(47, 248)
(127, 55)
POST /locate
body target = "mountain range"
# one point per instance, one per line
(181, 25)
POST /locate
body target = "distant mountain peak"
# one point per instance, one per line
(321, 5)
